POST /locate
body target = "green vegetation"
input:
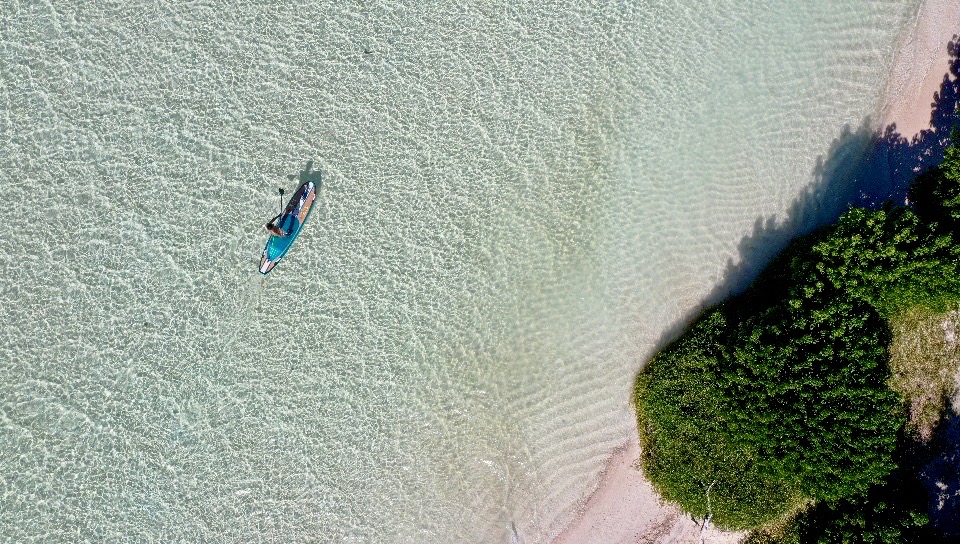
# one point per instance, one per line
(936, 195)
(892, 512)
(780, 398)
(686, 441)
(883, 519)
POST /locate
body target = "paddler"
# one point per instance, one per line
(273, 229)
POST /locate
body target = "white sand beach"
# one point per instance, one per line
(920, 66)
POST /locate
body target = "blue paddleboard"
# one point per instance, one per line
(291, 220)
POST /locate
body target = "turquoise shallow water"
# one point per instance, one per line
(519, 201)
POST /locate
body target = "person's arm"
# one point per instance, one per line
(272, 228)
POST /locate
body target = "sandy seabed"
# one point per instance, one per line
(624, 508)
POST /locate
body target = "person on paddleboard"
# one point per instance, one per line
(275, 230)
(278, 230)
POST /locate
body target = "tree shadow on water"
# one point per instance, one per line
(864, 167)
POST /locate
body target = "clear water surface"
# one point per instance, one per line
(520, 201)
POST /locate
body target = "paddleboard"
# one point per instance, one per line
(292, 220)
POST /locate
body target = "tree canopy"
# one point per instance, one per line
(778, 397)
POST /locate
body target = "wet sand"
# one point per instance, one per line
(626, 509)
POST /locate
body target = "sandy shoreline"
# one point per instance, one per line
(624, 508)
(918, 70)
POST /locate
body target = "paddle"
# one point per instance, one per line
(271, 223)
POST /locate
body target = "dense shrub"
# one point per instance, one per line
(773, 401)
(936, 194)
(779, 397)
(687, 446)
(891, 260)
(893, 512)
